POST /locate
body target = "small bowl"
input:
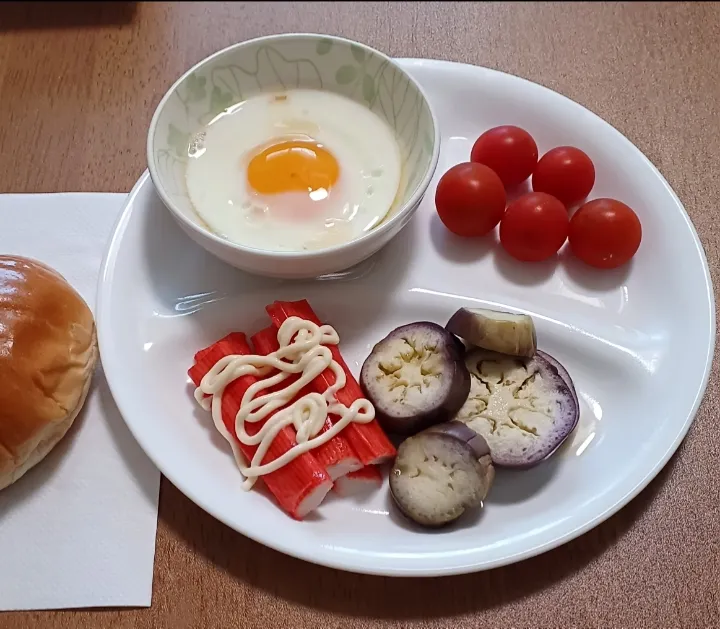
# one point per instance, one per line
(293, 61)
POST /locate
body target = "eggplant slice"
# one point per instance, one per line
(562, 372)
(461, 432)
(494, 330)
(437, 475)
(523, 407)
(415, 377)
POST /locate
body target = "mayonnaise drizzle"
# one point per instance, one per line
(302, 351)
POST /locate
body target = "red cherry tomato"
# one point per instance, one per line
(470, 199)
(510, 151)
(605, 233)
(534, 227)
(566, 173)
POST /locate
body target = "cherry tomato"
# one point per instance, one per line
(566, 173)
(510, 151)
(534, 227)
(605, 233)
(470, 199)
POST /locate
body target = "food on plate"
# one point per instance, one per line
(295, 416)
(48, 353)
(415, 377)
(336, 455)
(523, 407)
(605, 233)
(563, 373)
(534, 227)
(508, 150)
(460, 431)
(301, 483)
(360, 481)
(566, 173)
(440, 473)
(503, 332)
(367, 438)
(470, 199)
(291, 412)
(294, 171)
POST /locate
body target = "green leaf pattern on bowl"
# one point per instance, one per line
(323, 46)
(290, 63)
(178, 141)
(196, 88)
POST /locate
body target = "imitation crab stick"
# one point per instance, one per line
(359, 481)
(336, 456)
(368, 440)
(300, 485)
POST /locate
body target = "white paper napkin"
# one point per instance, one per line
(78, 530)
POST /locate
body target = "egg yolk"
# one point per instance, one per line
(292, 166)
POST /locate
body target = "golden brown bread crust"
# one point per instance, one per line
(48, 352)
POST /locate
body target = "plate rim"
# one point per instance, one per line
(476, 565)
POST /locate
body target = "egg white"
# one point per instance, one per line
(363, 144)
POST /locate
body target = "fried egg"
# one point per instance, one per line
(294, 171)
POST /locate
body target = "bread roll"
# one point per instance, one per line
(48, 351)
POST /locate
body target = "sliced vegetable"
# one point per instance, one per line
(566, 173)
(438, 476)
(360, 481)
(562, 372)
(300, 486)
(460, 431)
(498, 331)
(510, 151)
(470, 199)
(368, 441)
(415, 377)
(523, 407)
(605, 233)
(336, 456)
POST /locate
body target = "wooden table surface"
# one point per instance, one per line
(78, 86)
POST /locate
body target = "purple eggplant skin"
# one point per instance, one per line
(460, 431)
(404, 421)
(562, 372)
(495, 330)
(459, 343)
(566, 413)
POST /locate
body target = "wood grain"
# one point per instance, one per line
(78, 88)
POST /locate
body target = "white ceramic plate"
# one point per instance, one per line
(638, 343)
